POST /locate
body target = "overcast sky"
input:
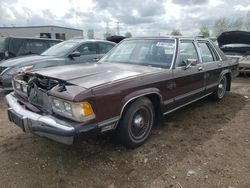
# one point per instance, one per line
(140, 17)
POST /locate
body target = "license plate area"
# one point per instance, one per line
(18, 120)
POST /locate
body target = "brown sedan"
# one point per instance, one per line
(125, 92)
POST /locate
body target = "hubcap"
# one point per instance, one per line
(140, 124)
(139, 121)
(222, 87)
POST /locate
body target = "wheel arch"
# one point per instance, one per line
(154, 96)
(227, 73)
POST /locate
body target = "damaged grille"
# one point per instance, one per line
(2, 69)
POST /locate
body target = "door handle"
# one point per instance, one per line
(219, 64)
(96, 59)
(200, 68)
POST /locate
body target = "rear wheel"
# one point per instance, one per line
(220, 92)
(136, 123)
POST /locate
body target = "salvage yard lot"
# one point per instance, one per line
(209, 140)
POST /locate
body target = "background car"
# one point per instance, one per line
(65, 53)
(236, 44)
(19, 46)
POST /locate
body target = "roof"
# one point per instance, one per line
(32, 38)
(40, 27)
(89, 40)
(168, 37)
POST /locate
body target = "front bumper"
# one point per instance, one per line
(42, 125)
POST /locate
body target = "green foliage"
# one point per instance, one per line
(221, 25)
(106, 35)
(204, 31)
(175, 32)
(247, 21)
(128, 35)
(91, 34)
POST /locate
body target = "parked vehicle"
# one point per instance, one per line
(126, 91)
(11, 47)
(236, 44)
(65, 53)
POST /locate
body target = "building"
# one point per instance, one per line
(53, 32)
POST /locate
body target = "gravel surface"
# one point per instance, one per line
(205, 144)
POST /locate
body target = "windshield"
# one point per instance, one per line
(60, 49)
(156, 53)
(2, 48)
(2, 45)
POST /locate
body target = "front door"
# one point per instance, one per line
(88, 53)
(188, 81)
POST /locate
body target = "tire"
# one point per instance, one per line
(220, 91)
(136, 123)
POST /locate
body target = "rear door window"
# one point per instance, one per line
(206, 53)
(15, 46)
(35, 46)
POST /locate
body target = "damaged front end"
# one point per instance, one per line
(236, 45)
(45, 106)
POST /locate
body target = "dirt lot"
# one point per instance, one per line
(206, 144)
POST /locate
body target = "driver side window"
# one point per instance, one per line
(187, 51)
(87, 49)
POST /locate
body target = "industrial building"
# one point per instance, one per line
(53, 32)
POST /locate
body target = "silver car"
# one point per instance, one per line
(65, 53)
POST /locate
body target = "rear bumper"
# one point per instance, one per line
(42, 125)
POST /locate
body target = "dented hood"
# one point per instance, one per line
(234, 37)
(94, 74)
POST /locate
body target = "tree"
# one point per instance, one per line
(221, 25)
(247, 22)
(106, 35)
(91, 34)
(175, 32)
(236, 25)
(128, 35)
(204, 31)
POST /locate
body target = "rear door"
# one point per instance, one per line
(211, 63)
(189, 82)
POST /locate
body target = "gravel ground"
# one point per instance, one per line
(205, 144)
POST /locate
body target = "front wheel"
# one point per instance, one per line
(136, 123)
(220, 92)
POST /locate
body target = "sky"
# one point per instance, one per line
(140, 17)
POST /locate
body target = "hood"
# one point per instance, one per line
(26, 60)
(94, 74)
(234, 37)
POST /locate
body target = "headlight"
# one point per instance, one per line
(16, 70)
(21, 86)
(76, 111)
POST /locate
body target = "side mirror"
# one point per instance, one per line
(75, 54)
(191, 62)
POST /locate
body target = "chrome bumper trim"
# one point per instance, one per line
(43, 125)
